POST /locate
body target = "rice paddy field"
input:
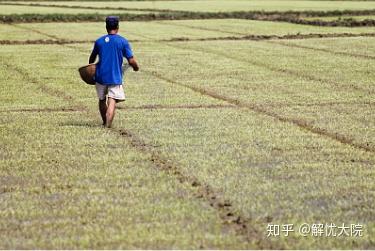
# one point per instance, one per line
(247, 127)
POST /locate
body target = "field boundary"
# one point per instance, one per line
(56, 40)
(296, 17)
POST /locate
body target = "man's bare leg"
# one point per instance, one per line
(103, 110)
(110, 112)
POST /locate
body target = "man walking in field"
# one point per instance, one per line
(111, 48)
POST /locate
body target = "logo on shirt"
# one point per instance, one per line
(106, 39)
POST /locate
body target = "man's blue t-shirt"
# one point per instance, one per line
(111, 48)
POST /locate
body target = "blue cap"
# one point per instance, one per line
(112, 22)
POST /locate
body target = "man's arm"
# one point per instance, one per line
(133, 63)
(94, 54)
(92, 57)
(128, 54)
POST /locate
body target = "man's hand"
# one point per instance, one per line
(133, 64)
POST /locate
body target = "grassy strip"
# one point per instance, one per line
(274, 37)
(84, 7)
(39, 18)
(288, 16)
(183, 39)
(347, 22)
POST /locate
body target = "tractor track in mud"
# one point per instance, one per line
(230, 217)
(263, 110)
(60, 41)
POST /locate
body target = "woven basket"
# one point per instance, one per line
(87, 73)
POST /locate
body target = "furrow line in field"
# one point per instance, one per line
(318, 22)
(278, 38)
(294, 73)
(61, 41)
(322, 104)
(263, 110)
(42, 41)
(229, 216)
(270, 37)
(67, 109)
(36, 31)
(199, 28)
(341, 53)
(31, 80)
(156, 107)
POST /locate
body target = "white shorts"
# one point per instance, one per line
(112, 91)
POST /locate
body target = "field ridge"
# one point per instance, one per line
(296, 17)
(56, 40)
